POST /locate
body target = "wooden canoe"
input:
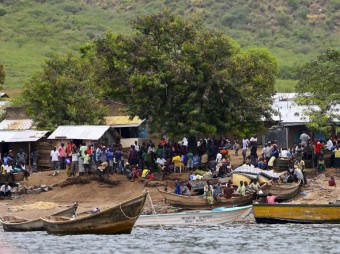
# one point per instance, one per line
(208, 218)
(297, 213)
(14, 224)
(282, 191)
(116, 220)
(198, 202)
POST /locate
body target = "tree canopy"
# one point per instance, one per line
(63, 93)
(183, 78)
(186, 79)
(319, 88)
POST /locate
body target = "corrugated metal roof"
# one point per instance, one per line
(123, 121)
(290, 112)
(20, 124)
(84, 132)
(21, 135)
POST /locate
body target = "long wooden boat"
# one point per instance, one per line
(116, 220)
(282, 191)
(198, 202)
(217, 216)
(15, 224)
(297, 213)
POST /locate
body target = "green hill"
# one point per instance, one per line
(294, 30)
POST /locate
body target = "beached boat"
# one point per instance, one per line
(282, 191)
(198, 202)
(216, 216)
(14, 224)
(198, 185)
(297, 213)
(116, 220)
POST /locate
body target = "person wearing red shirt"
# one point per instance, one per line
(318, 146)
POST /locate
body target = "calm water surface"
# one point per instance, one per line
(235, 238)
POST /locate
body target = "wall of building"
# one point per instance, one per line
(16, 113)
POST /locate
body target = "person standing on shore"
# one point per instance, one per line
(54, 154)
(304, 139)
(337, 158)
(245, 143)
(62, 155)
(74, 163)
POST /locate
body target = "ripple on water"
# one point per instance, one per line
(236, 238)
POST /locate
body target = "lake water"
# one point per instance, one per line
(232, 238)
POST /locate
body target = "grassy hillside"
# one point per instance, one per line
(294, 30)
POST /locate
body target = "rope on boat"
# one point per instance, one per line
(154, 212)
(128, 217)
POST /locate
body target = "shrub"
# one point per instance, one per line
(2, 12)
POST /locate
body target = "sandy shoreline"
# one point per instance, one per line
(93, 194)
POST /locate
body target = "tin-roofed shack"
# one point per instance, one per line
(17, 132)
(88, 134)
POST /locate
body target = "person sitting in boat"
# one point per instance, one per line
(332, 182)
(178, 189)
(217, 189)
(228, 190)
(208, 193)
(254, 186)
(241, 190)
(185, 190)
(271, 199)
(5, 190)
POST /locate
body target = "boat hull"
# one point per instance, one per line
(200, 218)
(297, 213)
(117, 220)
(13, 224)
(198, 202)
(282, 191)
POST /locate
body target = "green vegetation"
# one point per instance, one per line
(63, 93)
(295, 31)
(320, 78)
(183, 78)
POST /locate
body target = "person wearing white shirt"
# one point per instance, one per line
(218, 157)
(329, 144)
(253, 139)
(245, 143)
(185, 141)
(55, 160)
(5, 190)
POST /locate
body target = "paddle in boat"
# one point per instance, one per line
(115, 220)
(297, 213)
(198, 202)
(14, 224)
(216, 216)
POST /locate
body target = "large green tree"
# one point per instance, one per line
(63, 93)
(319, 88)
(185, 79)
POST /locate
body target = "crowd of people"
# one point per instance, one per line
(11, 164)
